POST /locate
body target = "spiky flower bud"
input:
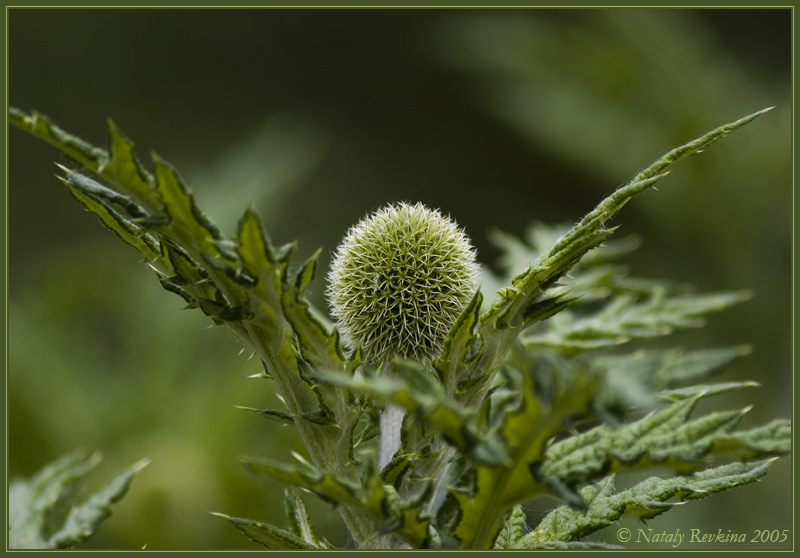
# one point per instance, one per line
(399, 280)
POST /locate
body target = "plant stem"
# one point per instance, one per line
(391, 425)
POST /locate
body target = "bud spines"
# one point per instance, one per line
(399, 280)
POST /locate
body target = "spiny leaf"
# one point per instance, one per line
(123, 167)
(670, 368)
(512, 531)
(267, 535)
(529, 287)
(43, 512)
(457, 345)
(526, 429)
(773, 438)
(394, 471)
(321, 417)
(260, 260)
(633, 380)
(681, 368)
(663, 438)
(703, 390)
(511, 311)
(299, 519)
(592, 278)
(127, 231)
(646, 500)
(188, 225)
(625, 318)
(317, 346)
(420, 394)
(103, 194)
(379, 501)
(84, 518)
(73, 147)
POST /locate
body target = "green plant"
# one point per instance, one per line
(516, 400)
(44, 512)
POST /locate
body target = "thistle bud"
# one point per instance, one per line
(399, 280)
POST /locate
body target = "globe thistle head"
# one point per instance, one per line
(399, 280)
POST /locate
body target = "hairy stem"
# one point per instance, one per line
(391, 424)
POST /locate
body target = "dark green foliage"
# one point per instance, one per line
(645, 500)
(520, 402)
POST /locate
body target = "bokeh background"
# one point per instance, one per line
(498, 117)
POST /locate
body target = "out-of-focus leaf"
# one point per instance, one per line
(44, 512)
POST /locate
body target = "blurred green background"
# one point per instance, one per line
(497, 117)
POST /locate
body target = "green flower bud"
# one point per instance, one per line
(399, 280)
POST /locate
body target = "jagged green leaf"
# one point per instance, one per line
(394, 471)
(319, 347)
(126, 230)
(703, 390)
(626, 317)
(260, 260)
(73, 147)
(527, 299)
(457, 346)
(44, 511)
(590, 279)
(83, 519)
(419, 392)
(773, 438)
(123, 167)
(512, 531)
(664, 438)
(670, 368)
(298, 517)
(638, 380)
(120, 167)
(378, 500)
(268, 535)
(189, 226)
(683, 368)
(526, 428)
(645, 500)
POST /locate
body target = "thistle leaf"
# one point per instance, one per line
(527, 300)
(188, 225)
(625, 318)
(703, 390)
(457, 345)
(44, 512)
(416, 390)
(379, 501)
(123, 167)
(299, 519)
(268, 535)
(512, 531)
(259, 259)
(645, 500)
(126, 230)
(318, 347)
(73, 147)
(83, 519)
(680, 369)
(526, 429)
(664, 438)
